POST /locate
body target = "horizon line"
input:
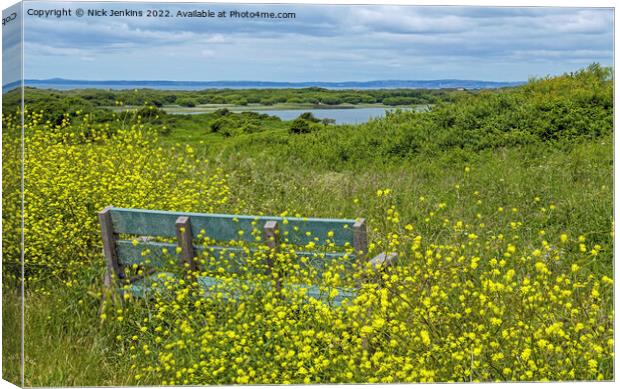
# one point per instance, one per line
(275, 82)
(376, 84)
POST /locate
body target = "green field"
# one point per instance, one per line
(498, 202)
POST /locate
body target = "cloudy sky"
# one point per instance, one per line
(323, 43)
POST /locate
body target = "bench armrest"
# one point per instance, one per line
(384, 259)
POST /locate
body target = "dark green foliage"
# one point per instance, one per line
(397, 101)
(330, 100)
(151, 114)
(243, 97)
(299, 126)
(307, 123)
(186, 102)
(308, 116)
(222, 112)
(227, 123)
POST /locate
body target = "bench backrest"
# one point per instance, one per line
(187, 227)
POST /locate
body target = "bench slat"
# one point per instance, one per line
(212, 285)
(226, 227)
(129, 253)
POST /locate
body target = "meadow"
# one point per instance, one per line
(499, 204)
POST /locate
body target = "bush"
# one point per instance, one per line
(309, 117)
(299, 126)
(186, 102)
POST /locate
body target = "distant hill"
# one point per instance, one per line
(59, 83)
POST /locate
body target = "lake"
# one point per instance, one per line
(340, 115)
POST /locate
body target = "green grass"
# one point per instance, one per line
(12, 331)
(579, 183)
(66, 345)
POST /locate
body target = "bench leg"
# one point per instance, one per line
(110, 294)
(107, 291)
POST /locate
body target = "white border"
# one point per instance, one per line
(490, 3)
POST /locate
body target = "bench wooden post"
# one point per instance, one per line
(360, 244)
(113, 268)
(271, 237)
(109, 247)
(184, 241)
(360, 238)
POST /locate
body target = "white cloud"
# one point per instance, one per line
(328, 43)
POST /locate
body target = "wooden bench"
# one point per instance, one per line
(128, 233)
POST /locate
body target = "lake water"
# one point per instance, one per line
(340, 115)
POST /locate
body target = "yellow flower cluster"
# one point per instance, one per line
(72, 170)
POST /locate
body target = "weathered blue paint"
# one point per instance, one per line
(159, 254)
(226, 227)
(212, 286)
